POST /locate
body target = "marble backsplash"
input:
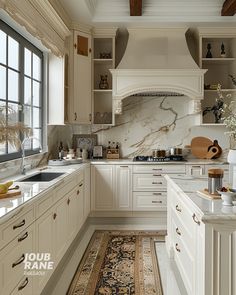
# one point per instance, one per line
(149, 123)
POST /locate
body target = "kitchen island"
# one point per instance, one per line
(201, 237)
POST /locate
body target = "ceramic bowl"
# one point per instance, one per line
(227, 197)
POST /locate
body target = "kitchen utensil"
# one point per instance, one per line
(14, 188)
(215, 177)
(176, 152)
(214, 151)
(199, 146)
(10, 194)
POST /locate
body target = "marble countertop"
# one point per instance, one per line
(30, 190)
(131, 162)
(212, 210)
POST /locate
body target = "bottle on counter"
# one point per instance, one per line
(60, 151)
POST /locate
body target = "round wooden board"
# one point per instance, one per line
(199, 146)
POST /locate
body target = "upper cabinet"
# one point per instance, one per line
(80, 79)
(103, 61)
(217, 54)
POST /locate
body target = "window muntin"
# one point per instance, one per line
(21, 80)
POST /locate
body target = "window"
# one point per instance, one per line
(21, 72)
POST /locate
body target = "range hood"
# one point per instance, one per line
(157, 61)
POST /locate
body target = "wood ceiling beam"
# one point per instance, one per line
(229, 8)
(135, 7)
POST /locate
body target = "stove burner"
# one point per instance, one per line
(160, 159)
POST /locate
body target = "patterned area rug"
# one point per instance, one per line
(119, 262)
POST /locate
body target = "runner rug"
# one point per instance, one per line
(119, 262)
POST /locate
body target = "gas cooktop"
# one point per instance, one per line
(159, 159)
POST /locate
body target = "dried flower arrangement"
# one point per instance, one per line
(10, 131)
(228, 112)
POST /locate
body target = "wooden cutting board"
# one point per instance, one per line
(199, 146)
(10, 194)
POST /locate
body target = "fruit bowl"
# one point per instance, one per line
(227, 195)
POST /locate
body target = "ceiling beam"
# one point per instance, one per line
(229, 8)
(135, 7)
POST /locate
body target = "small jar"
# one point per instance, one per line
(215, 179)
(84, 154)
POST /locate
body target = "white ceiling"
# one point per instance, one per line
(116, 12)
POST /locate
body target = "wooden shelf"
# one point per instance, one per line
(217, 60)
(103, 60)
(213, 124)
(102, 90)
(223, 90)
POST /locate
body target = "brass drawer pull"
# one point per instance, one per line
(178, 208)
(75, 116)
(156, 202)
(68, 202)
(178, 231)
(124, 166)
(157, 194)
(154, 182)
(22, 223)
(80, 184)
(54, 216)
(177, 247)
(22, 238)
(156, 175)
(24, 284)
(195, 219)
(77, 192)
(21, 259)
(157, 169)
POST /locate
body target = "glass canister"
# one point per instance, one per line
(215, 179)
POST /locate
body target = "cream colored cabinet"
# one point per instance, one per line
(45, 226)
(12, 259)
(87, 190)
(103, 184)
(80, 77)
(123, 187)
(25, 286)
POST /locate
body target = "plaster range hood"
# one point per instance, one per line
(157, 61)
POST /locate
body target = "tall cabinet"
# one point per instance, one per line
(217, 54)
(80, 78)
(103, 59)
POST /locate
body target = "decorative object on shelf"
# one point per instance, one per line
(103, 118)
(222, 54)
(210, 86)
(84, 141)
(209, 54)
(214, 151)
(103, 84)
(105, 55)
(216, 109)
(10, 130)
(113, 150)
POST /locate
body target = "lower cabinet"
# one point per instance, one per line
(123, 188)
(103, 183)
(86, 191)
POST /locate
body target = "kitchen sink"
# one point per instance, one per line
(43, 176)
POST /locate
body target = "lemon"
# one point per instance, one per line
(4, 187)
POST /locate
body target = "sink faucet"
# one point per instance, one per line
(22, 167)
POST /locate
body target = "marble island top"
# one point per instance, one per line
(212, 210)
(30, 190)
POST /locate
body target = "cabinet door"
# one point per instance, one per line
(60, 228)
(73, 208)
(87, 202)
(123, 187)
(45, 243)
(102, 187)
(81, 112)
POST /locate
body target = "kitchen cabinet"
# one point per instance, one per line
(219, 66)
(80, 78)
(123, 187)
(86, 191)
(103, 60)
(103, 187)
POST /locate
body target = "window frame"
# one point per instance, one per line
(24, 43)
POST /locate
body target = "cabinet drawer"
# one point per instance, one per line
(148, 182)
(12, 257)
(24, 287)
(185, 264)
(65, 187)
(44, 204)
(17, 226)
(159, 169)
(149, 201)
